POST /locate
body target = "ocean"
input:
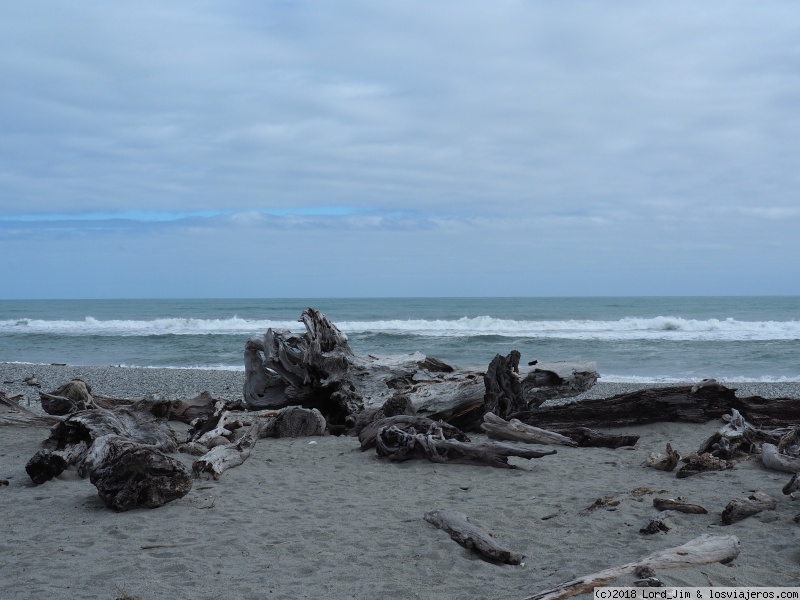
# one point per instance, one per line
(632, 339)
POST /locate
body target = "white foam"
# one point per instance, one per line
(628, 328)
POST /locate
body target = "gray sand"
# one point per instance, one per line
(317, 518)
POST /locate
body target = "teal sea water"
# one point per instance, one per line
(631, 339)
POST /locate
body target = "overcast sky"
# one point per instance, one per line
(362, 148)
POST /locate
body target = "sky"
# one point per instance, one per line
(257, 148)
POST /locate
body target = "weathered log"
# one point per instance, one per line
(503, 388)
(700, 463)
(589, 438)
(735, 438)
(144, 422)
(516, 431)
(400, 445)
(738, 509)
(678, 505)
(557, 380)
(187, 411)
(699, 551)
(130, 475)
(664, 463)
(399, 404)
(775, 460)
(410, 424)
(294, 421)
(664, 404)
(21, 416)
(69, 398)
(221, 458)
(472, 537)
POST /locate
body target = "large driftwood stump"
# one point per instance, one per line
(318, 369)
(472, 537)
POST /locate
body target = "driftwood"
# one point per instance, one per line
(699, 551)
(472, 537)
(20, 416)
(69, 398)
(589, 438)
(399, 445)
(700, 463)
(773, 459)
(735, 438)
(143, 422)
(318, 369)
(557, 380)
(739, 509)
(516, 431)
(293, 421)
(130, 475)
(221, 458)
(679, 506)
(503, 388)
(399, 404)
(407, 423)
(665, 462)
(654, 405)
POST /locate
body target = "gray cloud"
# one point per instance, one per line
(566, 129)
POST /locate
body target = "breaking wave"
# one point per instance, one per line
(628, 328)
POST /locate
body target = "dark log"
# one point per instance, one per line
(409, 424)
(400, 445)
(664, 404)
(678, 505)
(472, 537)
(739, 509)
(71, 397)
(130, 475)
(589, 438)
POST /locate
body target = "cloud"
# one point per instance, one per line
(563, 126)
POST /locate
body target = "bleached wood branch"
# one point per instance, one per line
(699, 551)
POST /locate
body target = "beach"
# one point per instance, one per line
(318, 518)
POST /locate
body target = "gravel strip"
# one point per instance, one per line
(136, 383)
